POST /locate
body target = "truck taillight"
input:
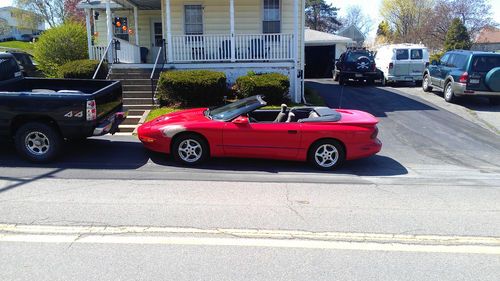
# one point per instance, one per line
(375, 133)
(464, 78)
(91, 110)
(391, 65)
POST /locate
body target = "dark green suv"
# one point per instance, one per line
(465, 73)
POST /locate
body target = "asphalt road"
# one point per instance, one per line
(425, 208)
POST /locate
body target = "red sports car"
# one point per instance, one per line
(323, 136)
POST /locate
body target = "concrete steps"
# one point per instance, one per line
(137, 96)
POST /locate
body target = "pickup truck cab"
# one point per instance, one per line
(39, 114)
(465, 73)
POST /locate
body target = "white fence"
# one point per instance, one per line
(127, 53)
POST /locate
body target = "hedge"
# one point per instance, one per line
(274, 86)
(192, 87)
(59, 45)
(82, 69)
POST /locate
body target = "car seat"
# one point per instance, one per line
(283, 115)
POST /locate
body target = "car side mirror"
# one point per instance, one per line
(435, 62)
(241, 120)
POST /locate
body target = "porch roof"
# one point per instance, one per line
(121, 4)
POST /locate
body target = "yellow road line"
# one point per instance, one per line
(249, 238)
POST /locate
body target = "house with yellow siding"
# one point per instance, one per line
(234, 36)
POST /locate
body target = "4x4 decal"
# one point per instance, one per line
(76, 114)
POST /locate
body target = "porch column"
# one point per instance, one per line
(89, 30)
(296, 50)
(169, 31)
(231, 24)
(110, 30)
(136, 26)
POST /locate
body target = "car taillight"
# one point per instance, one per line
(91, 110)
(391, 65)
(464, 77)
(375, 133)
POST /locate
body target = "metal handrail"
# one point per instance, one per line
(102, 59)
(152, 76)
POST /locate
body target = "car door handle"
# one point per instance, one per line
(292, 132)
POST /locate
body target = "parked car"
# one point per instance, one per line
(402, 63)
(323, 136)
(465, 73)
(357, 65)
(40, 113)
(27, 64)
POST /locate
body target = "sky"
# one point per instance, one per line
(369, 5)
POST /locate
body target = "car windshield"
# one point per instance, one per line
(235, 109)
(485, 63)
(354, 56)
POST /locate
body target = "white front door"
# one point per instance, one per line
(156, 40)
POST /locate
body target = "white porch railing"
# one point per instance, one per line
(128, 53)
(217, 48)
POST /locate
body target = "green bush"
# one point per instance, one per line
(274, 86)
(59, 45)
(82, 69)
(192, 87)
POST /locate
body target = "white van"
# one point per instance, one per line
(402, 62)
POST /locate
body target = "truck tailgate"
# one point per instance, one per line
(108, 99)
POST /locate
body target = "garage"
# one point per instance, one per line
(321, 51)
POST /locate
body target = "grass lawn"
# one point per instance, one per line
(25, 46)
(311, 95)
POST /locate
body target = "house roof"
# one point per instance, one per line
(314, 37)
(352, 32)
(488, 35)
(121, 4)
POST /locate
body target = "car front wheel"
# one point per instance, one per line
(190, 150)
(426, 84)
(327, 154)
(38, 142)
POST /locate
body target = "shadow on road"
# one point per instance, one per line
(373, 166)
(375, 100)
(474, 103)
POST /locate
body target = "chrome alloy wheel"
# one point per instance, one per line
(326, 155)
(448, 93)
(37, 143)
(426, 82)
(190, 150)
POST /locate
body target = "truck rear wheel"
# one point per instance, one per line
(38, 142)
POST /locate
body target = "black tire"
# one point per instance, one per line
(448, 94)
(196, 149)
(342, 80)
(494, 100)
(426, 83)
(38, 142)
(335, 76)
(321, 147)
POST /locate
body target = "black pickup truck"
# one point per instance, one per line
(39, 114)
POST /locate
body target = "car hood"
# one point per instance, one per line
(188, 115)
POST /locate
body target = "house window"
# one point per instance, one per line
(271, 22)
(193, 19)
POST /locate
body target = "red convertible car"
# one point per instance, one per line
(323, 136)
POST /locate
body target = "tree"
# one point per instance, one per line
(355, 16)
(384, 33)
(321, 16)
(59, 45)
(407, 18)
(457, 37)
(53, 12)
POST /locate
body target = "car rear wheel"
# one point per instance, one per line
(449, 96)
(38, 142)
(426, 84)
(327, 154)
(342, 80)
(190, 150)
